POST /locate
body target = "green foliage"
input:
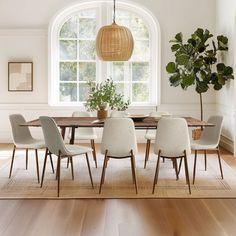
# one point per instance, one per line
(196, 62)
(105, 93)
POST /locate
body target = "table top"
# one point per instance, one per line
(76, 122)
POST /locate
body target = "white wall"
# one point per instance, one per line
(23, 36)
(225, 98)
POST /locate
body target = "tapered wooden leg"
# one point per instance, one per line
(147, 152)
(205, 158)
(68, 162)
(72, 168)
(26, 159)
(44, 166)
(163, 159)
(194, 167)
(156, 172)
(186, 171)
(221, 171)
(90, 174)
(103, 172)
(180, 163)
(133, 170)
(58, 174)
(51, 163)
(12, 160)
(94, 152)
(176, 169)
(37, 164)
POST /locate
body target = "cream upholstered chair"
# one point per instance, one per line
(151, 134)
(172, 141)
(55, 145)
(85, 133)
(119, 142)
(209, 140)
(116, 114)
(23, 139)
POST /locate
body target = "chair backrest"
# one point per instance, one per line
(19, 133)
(212, 134)
(52, 136)
(116, 114)
(83, 131)
(119, 137)
(172, 137)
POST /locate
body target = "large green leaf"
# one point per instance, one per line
(175, 47)
(217, 86)
(228, 71)
(175, 80)
(188, 80)
(171, 67)
(179, 37)
(201, 87)
(182, 59)
(220, 67)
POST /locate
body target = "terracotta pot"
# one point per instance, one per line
(196, 134)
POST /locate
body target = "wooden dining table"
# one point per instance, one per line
(93, 122)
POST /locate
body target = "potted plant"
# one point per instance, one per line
(197, 64)
(103, 95)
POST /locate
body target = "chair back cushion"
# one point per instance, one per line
(20, 133)
(52, 136)
(211, 135)
(121, 114)
(83, 133)
(119, 137)
(172, 137)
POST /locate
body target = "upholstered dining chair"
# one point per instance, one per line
(55, 145)
(172, 142)
(119, 142)
(209, 140)
(23, 139)
(85, 133)
(150, 135)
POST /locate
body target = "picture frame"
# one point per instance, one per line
(20, 76)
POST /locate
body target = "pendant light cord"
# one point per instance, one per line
(114, 11)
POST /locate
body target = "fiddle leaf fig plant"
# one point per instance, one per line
(196, 62)
(104, 94)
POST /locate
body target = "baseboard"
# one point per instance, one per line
(227, 143)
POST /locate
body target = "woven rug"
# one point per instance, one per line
(118, 182)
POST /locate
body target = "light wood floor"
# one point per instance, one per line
(115, 217)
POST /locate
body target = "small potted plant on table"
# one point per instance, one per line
(104, 95)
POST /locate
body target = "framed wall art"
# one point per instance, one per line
(20, 76)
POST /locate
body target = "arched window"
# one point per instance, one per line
(73, 59)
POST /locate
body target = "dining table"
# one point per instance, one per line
(93, 122)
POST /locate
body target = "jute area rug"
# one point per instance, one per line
(118, 182)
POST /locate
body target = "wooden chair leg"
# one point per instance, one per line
(156, 172)
(180, 164)
(72, 168)
(53, 171)
(94, 152)
(68, 162)
(218, 153)
(147, 152)
(103, 172)
(12, 160)
(58, 174)
(176, 169)
(26, 159)
(186, 171)
(90, 174)
(133, 170)
(37, 164)
(44, 166)
(194, 167)
(205, 158)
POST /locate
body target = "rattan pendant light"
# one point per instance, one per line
(114, 42)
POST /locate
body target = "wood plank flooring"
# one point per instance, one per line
(120, 217)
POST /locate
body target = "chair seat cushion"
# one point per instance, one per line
(73, 150)
(31, 144)
(201, 145)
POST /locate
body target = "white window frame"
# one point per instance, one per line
(155, 42)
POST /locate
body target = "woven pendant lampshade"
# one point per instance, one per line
(114, 42)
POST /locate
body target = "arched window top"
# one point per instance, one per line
(72, 58)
